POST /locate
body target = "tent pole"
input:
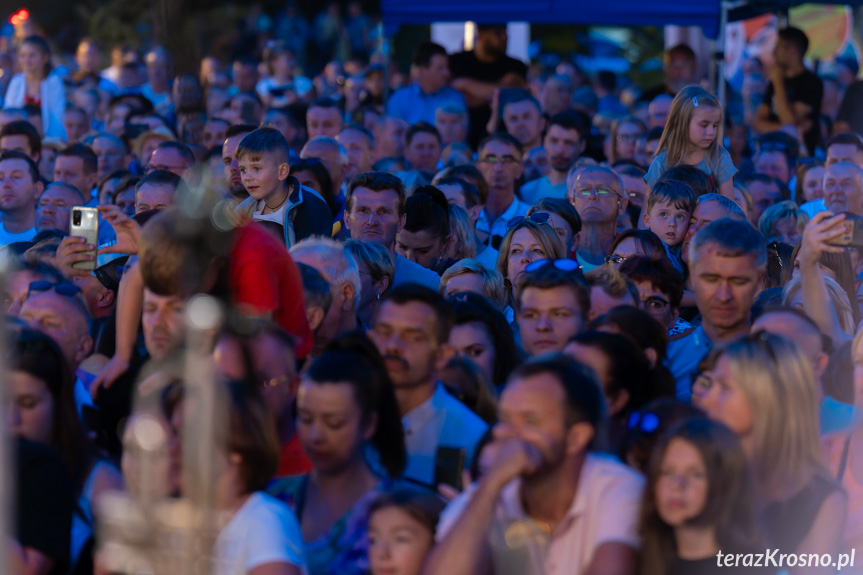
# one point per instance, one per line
(719, 55)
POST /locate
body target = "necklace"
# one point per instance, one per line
(287, 194)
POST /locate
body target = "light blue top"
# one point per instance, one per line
(410, 272)
(412, 105)
(442, 421)
(497, 228)
(535, 190)
(684, 354)
(7, 238)
(724, 171)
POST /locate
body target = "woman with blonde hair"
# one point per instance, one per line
(463, 242)
(469, 275)
(792, 295)
(528, 239)
(783, 222)
(764, 389)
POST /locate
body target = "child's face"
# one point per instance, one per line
(681, 489)
(668, 222)
(398, 543)
(704, 126)
(263, 177)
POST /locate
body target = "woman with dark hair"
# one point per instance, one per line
(262, 535)
(426, 234)
(635, 243)
(481, 334)
(41, 386)
(349, 425)
(36, 86)
(622, 373)
(649, 337)
(699, 500)
(312, 173)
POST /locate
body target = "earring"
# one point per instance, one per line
(379, 297)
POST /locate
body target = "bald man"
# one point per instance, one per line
(843, 189)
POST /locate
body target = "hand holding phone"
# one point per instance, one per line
(84, 223)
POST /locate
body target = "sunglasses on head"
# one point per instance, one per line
(62, 288)
(647, 422)
(563, 264)
(536, 217)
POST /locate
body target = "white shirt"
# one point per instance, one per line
(264, 530)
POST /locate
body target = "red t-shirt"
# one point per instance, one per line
(293, 460)
(265, 279)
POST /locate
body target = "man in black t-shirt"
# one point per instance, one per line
(476, 74)
(794, 95)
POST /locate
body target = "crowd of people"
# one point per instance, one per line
(497, 319)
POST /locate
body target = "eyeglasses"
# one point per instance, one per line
(615, 259)
(655, 304)
(536, 217)
(563, 264)
(647, 422)
(601, 193)
(62, 288)
(502, 160)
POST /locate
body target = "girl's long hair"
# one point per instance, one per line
(730, 504)
(675, 137)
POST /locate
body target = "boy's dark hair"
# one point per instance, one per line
(677, 193)
(584, 399)
(428, 209)
(159, 178)
(264, 141)
(237, 129)
(24, 128)
(559, 207)
(31, 165)
(660, 273)
(468, 190)
(504, 138)
(571, 120)
(418, 128)
(549, 277)
(377, 182)
(410, 292)
(698, 181)
(181, 149)
(796, 37)
(425, 51)
(85, 152)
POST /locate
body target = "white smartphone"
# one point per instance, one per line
(84, 223)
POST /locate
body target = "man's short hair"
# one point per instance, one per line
(729, 206)
(468, 172)
(468, 190)
(22, 128)
(521, 96)
(410, 292)
(88, 157)
(419, 128)
(425, 51)
(659, 273)
(54, 185)
(571, 120)
(628, 168)
(584, 399)
(181, 149)
(316, 288)
(114, 139)
(613, 283)
(765, 179)
(796, 37)
(377, 182)
(559, 207)
(844, 138)
(676, 193)
(733, 239)
(341, 269)
(504, 138)
(31, 165)
(237, 129)
(362, 130)
(549, 277)
(263, 141)
(780, 142)
(159, 178)
(324, 102)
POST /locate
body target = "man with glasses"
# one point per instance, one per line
(843, 189)
(597, 195)
(171, 156)
(552, 305)
(499, 161)
(727, 263)
(564, 142)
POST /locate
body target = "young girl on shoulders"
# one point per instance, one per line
(693, 136)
